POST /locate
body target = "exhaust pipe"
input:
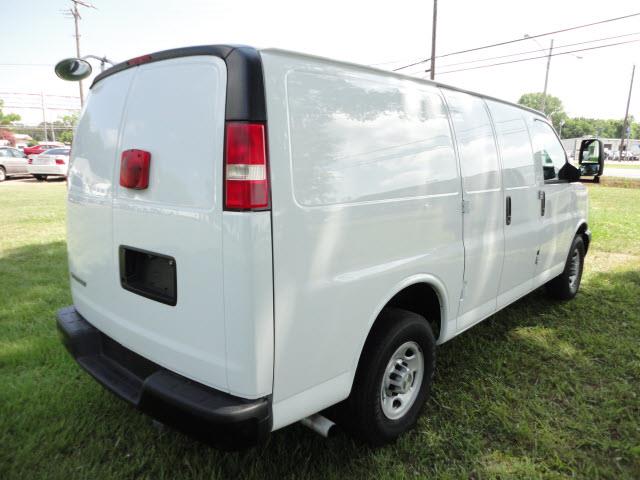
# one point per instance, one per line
(319, 424)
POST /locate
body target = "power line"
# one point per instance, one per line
(75, 97)
(25, 65)
(40, 108)
(540, 50)
(507, 42)
(542, 56)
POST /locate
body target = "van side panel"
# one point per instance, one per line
(520, 180)
(484, 217)
(366, 193)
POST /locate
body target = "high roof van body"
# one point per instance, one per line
(333, 225)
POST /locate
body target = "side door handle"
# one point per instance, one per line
(543, 202)
(508, 210)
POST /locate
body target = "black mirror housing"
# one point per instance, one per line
(569, 173)
(590, 164)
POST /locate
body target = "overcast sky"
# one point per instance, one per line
(35, 32)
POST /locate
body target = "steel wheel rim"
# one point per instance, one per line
(574, 268)
(2, 175)
(402, 380)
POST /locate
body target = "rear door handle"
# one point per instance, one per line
(508, 210)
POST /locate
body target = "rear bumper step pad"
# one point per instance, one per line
(220, 419)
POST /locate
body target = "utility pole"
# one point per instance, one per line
(432, 73)
(76, 17)
(75, 13)
(625, 124)
(546, 78)
(44, 116)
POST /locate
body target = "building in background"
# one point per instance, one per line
(611, 147)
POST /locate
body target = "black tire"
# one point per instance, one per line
(3, 174)
(41, 178)
(362, 413)
(566, 285)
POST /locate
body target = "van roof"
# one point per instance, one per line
(404, 76)
(243, 62)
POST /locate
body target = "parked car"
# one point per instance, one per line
(52, 163)
(338, 223)
(12, 162)
(31, 152)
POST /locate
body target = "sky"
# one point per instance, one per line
(35, 35)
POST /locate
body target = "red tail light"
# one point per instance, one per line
(245, 167)
(60, 161)
(134, 169)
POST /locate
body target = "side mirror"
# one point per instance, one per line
(591, 158)
(569, 173)
(73, 69)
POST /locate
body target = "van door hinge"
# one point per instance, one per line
(466, 206)
(537, 257)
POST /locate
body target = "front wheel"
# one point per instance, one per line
(393, 379)
(565, 286)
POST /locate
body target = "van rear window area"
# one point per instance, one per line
(354, 139)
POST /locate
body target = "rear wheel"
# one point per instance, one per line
(41, 178)
(393, 379)
(565, 286)
(3, 174)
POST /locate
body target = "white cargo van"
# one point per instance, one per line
(332, 224)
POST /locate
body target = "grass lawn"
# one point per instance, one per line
(542, 389)
(621, 165)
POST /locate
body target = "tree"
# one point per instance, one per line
(7, 119)
(553, 107)
(8, 136)
(65, 127)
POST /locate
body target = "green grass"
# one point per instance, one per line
(621, 165)
(540, 390)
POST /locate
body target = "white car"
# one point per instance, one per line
(336, 225)
(12, 162)
(51, 163)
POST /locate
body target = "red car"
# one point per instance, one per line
(38, 149)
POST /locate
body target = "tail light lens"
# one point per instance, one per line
(134, 169)
(60, 161)
(245, 167)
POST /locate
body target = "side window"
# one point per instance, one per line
(476, 144)
(4, 152)
(515, 146)
(547, 150)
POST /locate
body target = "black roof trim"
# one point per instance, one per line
(245, 83)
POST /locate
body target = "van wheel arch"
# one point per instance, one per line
(420, 297)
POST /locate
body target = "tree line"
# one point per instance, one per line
(63, 128)
(571, 127)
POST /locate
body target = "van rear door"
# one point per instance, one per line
(147, 263)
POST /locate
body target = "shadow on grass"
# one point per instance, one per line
(508, 385)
